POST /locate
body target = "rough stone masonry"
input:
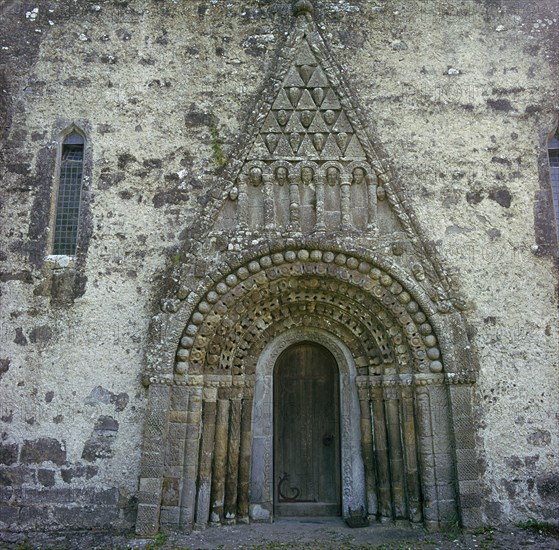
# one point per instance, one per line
(363, 181)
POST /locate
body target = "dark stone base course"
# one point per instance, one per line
(59, 518)
(56, 496)
(56, 509)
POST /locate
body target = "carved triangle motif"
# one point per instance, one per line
(309, 137)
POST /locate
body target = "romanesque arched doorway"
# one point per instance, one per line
(305, 238)
(404, 414)
(306, 432)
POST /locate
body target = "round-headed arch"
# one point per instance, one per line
(333, 286)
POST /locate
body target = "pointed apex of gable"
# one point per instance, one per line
(305, 131)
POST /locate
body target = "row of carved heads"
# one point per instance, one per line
(331, 173)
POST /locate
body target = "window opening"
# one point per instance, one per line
(69, 194)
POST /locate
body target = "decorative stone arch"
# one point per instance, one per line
(203, 416)
(358, 279)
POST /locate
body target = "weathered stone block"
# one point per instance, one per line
(46, 477)
(446, 491)
(33, 517)
(8, 515)
(43, 450)
(177, 430)
(179, 398)
(471, 517)
(170, 516)
(85, 517)
(465, 439)
(79, 471)
(466, 465)
(174, 455)
(178, 416)
(548, 486)
(6, 494)
(471, 500)
(147, 520)
(150, 490)
(170, 492)
(8, 453)
(17, 475)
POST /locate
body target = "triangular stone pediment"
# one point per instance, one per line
(307, 167)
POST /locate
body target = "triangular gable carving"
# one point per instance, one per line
(306, 134)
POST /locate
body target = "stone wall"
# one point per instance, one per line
(460, 97)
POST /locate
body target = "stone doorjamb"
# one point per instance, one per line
(262, 468)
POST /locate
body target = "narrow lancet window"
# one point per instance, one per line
(69, 194)
(553, 150)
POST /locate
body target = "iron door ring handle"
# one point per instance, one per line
(327, 439)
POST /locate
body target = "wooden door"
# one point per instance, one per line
(306, 432)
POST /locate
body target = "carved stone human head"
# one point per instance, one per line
(332, 176)
(307, 174)
(358, 175)
(329, 116)
(255, 176)
(306, 118)
(283, 117)
(281, 175)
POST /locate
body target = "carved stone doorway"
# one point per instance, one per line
(306, 432)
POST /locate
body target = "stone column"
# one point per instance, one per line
(242, 202)
(294, 203)
(395, 453)
(367, 449)
(410, 456)
(191, 454)
(233, 449)
(443, 454)
(372, 202)
(345, 201)
(319, 183)
(219, 458)
(381, 455)
(427, 459)
(245, 457)
(206, 457)
(156, 426)
(269, 214)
